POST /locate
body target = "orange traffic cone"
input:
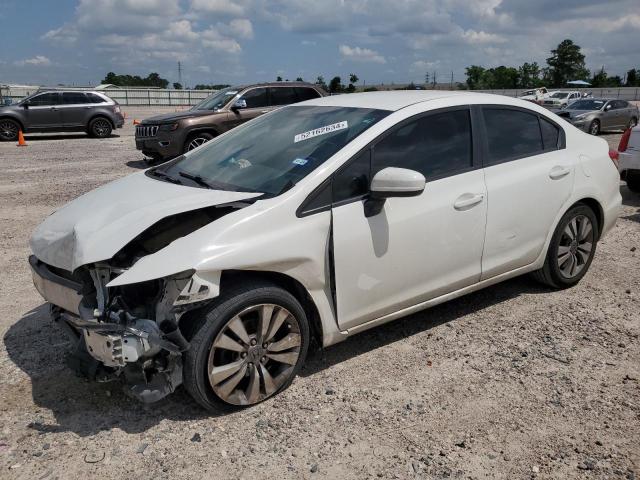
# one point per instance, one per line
(136, 122)
(21, 142)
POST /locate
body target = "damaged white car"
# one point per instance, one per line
(318, 220)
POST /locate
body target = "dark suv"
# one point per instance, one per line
(60, 111)
(169, 135)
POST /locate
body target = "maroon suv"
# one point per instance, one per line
(166, 136)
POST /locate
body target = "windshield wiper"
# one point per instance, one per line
(198, 179)
(161, 174)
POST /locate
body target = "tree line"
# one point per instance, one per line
(565, 64)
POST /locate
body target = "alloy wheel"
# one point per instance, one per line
(576, 244)
(101, 128)
(254, 354)
(196, 142)
(8, 130)
(594, 128)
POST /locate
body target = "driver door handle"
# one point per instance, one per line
(558, 172)
(468, 200)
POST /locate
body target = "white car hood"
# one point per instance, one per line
(95, 226)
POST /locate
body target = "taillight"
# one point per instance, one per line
(624, 141)
(613, 155)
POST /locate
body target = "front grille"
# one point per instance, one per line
(143, 131)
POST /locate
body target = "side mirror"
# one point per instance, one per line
(607, 108)
(239, 104)
(393, 182)
(25, 105)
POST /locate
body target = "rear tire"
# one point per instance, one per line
(9, 130)
(571, 250)
(100, 127)
(195, 140)
(234, 361)
(633, 180)
(594, 127)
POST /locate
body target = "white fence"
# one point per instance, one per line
(124, 96)
(162, 97)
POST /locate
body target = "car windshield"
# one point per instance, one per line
(560, 95)
(275, 151)
(217, 100)
(587, 105)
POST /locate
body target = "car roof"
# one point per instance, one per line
(395, 100)
(275, 84)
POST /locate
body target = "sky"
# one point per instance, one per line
(76, 42)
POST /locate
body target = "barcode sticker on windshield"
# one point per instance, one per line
(321, 131)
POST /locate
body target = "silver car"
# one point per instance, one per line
(594, 115)
(61, 111)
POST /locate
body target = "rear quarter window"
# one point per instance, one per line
(306, 93)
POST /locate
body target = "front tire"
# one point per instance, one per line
(633, 121)
(195, 140)
(246, 347)
(571, 250)
(9, 130)
(100, 127)
(594, 127)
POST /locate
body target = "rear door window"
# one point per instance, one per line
(72, 98)
(511, 134)
(283, 96)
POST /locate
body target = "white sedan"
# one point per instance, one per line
(321, 219)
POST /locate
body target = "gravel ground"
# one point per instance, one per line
(511, 382)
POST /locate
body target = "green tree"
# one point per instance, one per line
(632, 78)
(299, 79)
(335, 85)
(529, 75)
(566, 63)
(321, 83)
(353, 78)
(279, 79)
(475, 76)
(177, 85)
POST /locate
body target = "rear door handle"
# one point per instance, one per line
(558, 172)
(468, 200)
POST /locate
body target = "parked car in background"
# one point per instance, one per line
(61, 111)
(323, 219)
(594, 115)
(629, 158)
(166, 136)
(535, 95)
(561, 99)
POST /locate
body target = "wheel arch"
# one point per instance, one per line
(206, 129)
(15, 119)
(597, 209)
(230, 278)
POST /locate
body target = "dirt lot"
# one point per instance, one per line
(512, 382)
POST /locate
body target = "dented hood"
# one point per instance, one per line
(95, 226)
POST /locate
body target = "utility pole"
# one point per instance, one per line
(435, 79)
(180, 73)
(426, 78)
(451, 84)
